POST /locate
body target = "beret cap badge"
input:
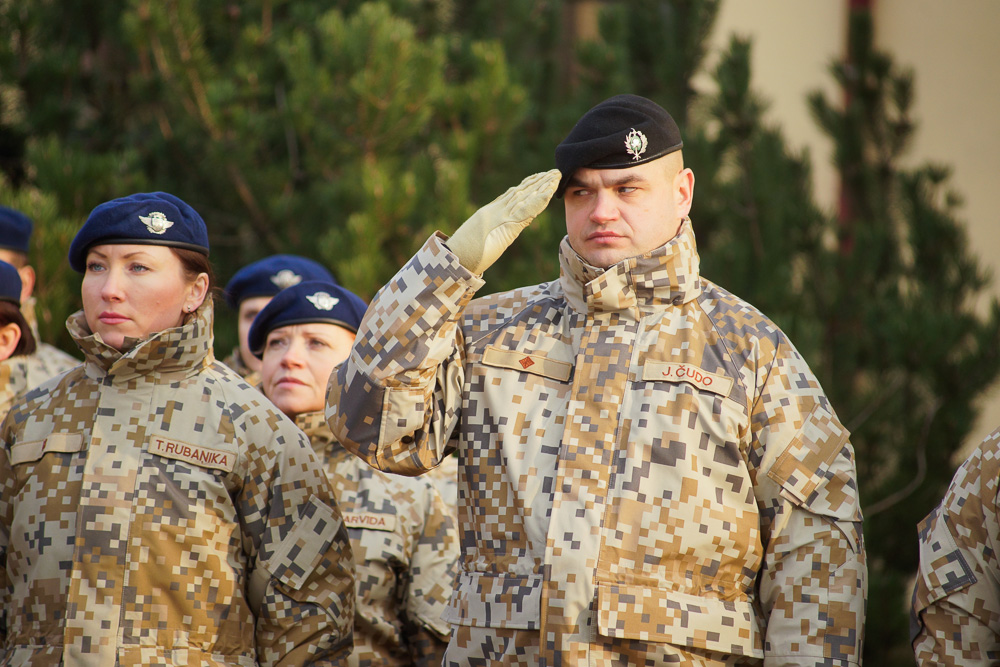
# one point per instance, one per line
(323, 301)
(635, 143)
(156, 222)
(286, 278)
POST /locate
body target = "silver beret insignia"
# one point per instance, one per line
(156, 222)
(635, 143)
(286, 278)
(323, 301)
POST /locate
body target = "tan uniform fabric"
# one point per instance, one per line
(649, 471)
(47, 361)
(445, 480)
(235, 362)
(155, 510)
(13, 380)
(956, 601)
(406, 553)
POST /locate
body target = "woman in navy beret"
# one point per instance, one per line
(403, 536)
(155, 508)
(16, 341)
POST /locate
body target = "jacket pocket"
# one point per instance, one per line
(304, 546)
(815, 473)
(496, 601)
(658, 615)
(29, 452)
(943, 567)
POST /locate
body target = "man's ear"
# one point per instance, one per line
(10, 336)
(684, 192)
(27, 273)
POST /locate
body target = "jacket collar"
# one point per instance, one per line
(314, 425)
(666, 276)
(184, 349)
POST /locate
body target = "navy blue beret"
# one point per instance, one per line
(305, 303)
(145, 218)
(10, 284)
(620, 132)
(15, 230)
(268, 276)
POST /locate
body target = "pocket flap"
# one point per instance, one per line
(658, 615)
(943, 566)
(496, 601)
(63, 443)
(305, 545)
(534, 363)
(812, 471)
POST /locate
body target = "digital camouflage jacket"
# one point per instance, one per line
(956, 601)
(156, 510)
(649, 473)
(405, 552)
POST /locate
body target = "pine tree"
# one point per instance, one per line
(906, 352)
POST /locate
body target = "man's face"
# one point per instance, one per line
(614, 214)
(248, 311)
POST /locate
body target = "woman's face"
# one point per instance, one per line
(133, 291)
(298, 361)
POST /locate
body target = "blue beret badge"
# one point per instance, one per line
(323, 301)
(635, 143)
(286, 278)
(156, 222)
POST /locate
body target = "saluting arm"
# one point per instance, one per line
(395, 402)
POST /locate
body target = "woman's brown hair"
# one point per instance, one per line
(11, 314)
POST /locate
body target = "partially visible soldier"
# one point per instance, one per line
(404, 538)
(16, 341)
(251, 288)
(955, 615)
(15, 239)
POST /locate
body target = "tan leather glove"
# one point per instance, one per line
(483, 237)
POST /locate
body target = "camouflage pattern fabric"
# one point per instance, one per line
(48, 361)
(235, 362)
(955, 616)
(649, 472)
(156, 510)
(406, 554)
(445, 479)
(13, 380)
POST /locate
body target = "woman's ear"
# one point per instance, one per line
(197, 291)
(10, 336)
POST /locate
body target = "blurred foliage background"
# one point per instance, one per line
(348, 131)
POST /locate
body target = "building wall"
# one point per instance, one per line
(953, 50)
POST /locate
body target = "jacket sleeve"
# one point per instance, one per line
(7, 491)
(955, 616)
(431, 576)
(395, 402)
(813, 584)
(301, 585)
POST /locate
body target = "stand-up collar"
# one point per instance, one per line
(662, 277)
(184, 349)
(314, 425)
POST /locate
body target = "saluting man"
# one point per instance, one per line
(649, 472)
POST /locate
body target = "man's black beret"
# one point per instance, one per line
(620, 132)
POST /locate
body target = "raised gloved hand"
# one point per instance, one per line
(483, 237)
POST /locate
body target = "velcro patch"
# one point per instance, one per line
(370, 520)
(199, 455)
(664, 371)
(536, 364)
